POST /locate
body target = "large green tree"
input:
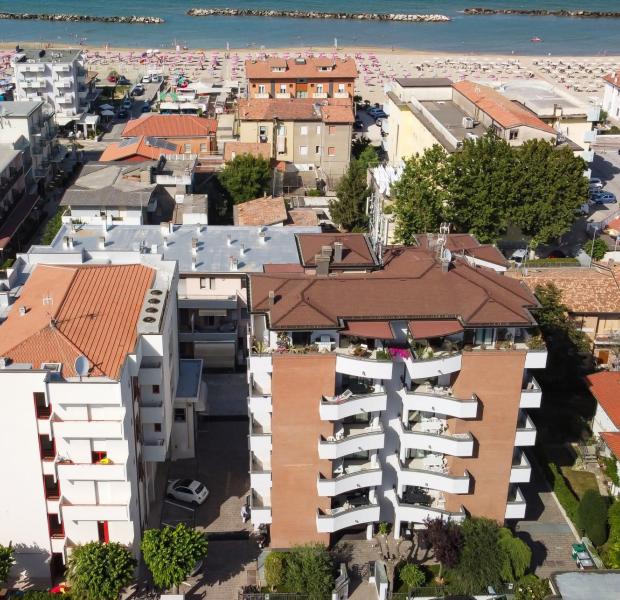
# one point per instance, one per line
(171, 554)
(412, 576)
(6, 561)
(309, 571)
(420, 198)
(97, 571)
(246, 177)
(517, 555)
(349, 210)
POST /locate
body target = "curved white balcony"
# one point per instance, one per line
(363, 478)
(526, 431)
(521, 470)
(536, 359)
(428, 399)
(260, 363)
(418, 513)
(342, 518)
(432, 478)
(441, 364)
(370, 368)
(91, 472)
(531, 396)
(457, 444)
(260, 509)
(357, 440)
(516, 505)
(340, 407)
(260, 403)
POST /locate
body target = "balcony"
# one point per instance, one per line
(262, 95)
(48, 466)
(150, 375)
(91, 472)
(417, 506)
(516, 505)
(59, 543)
(348, 476)
(61, 68)
(260, 363)
(526, 431)
(260, 474)
(34, 84)
(283, 95)
(64, 99)
(521, 470)
(319, 95)
(94, 512)
(432, 360)
(34, 68)
(259, 403)
(64, 82)
(531, 396)
(260, 438)
(347, 404)
(431, 473)
(260, 509)
(80, 430)
(351, 439)
(360, 362)
(440, 400)
(434, 437)
(341, 94)
(342, 517)
(154, 450)
(536, 359)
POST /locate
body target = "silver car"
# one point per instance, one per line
(187, 490)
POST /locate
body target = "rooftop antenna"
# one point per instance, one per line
(442, 238)
(82, 366)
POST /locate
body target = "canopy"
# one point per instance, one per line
(106, 107)
(430, 329)
(369, 329)
(107, 113)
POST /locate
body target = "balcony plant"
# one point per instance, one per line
(396, 352)
(104, 461)
(382, 355)
(535, 342)
(360, 351)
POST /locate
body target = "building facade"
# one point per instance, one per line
(611, 95)
(397, 392)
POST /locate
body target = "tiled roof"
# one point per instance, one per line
(331, 110)
(170, 126)
(613, 78)
(343, 68)
(412, 285)
(605, 387)
(583, 290)
(305, 217)
(232, 149)
(73, 311)
(469, 245)
(612, 439)
(506, 112)
(262, 211)
(355, 248)
(148, 148)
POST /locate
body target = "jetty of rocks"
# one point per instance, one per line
(133, 19)
(541, 12)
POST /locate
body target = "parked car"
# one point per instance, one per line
(155, 78)
(377, 113)
(187, 490)
(138, 90)
(126, 103)
(604, 198)
(146, 108)
(146, 79)
(122, 114)
(122, 80)
(595, 183)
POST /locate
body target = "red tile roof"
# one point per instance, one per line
(429, 329)
(232, 149)
(303, 217)
(170, 126)
(613, 79)
(142, 146)
(329, 110)
(380, 330)
(605, 387)
(469, 245)
(342, 68)
(91, 311)
(262, 211)
(612, 439)
(356, 249)
(507, 113)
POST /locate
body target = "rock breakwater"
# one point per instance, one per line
(132, 19)
(301, 14)
(541, 12)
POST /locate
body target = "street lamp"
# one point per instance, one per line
(592, 247)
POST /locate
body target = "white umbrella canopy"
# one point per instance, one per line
(107, 113)
(106, 107)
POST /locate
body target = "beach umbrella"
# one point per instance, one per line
(107, 113)
(106, 107)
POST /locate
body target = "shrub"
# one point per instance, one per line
(565, 496)
(599, 249)
(412, 576)
(532, 588)
(6, 561)
(592, 516)
(517, 555)
(610, 466)
(553, 262)
(274, 569)
(51, 228)
(314, 192)
(309, 571)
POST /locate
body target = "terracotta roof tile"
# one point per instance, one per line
(303, 217)
(330, 110)
(91, 311)
(355, 248)
(613, 79)
(170, 126)
(605, 387)
(506, 112)
(612, 439)
(468, 244)
(262, 211)
(148, 148)
(343, 68)
(232, 149)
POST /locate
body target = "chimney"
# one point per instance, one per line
(272, 297)
(22, 311)
(242, 249)
(337, 252)
(101, 242)
(194, 262)
(65, 242)
(326, 251)
(233, 263)
(322, 265)
(228, 239)
(262, 237)
(70, 242)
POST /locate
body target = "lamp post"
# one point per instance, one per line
(592, 247)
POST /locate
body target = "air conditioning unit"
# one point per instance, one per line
(468, 123)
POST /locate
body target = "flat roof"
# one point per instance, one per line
(50, 55)
(451, 116)
(410, 82)
(541, 97)
(19, 108)
(7, 155)
(212, 253)
(587, 585)
(188, 382)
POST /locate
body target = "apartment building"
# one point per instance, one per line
(394, 392)
(611, 95)
(310, 135)
(139, 149)
(312, 77)
(56, 76)
(424, 112)
(94, 397)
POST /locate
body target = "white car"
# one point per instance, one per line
(595, 183)
(187, 490)
(146, 79)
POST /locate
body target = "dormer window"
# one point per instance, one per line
(325, 68)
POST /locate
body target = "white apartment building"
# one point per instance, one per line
(611, 95)
(93, 396)
(57, 76)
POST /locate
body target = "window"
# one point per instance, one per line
(43, 411)
(331, 129)
(203, 283)
(203, 148)
(261, 88)
(341, 88)
(103, 532)
(301, 338)
(52, 488)
(188, 148)
(283, 88)
(303, 150)
(262, 130)
(514, 134)
(281, 130)
(179, 415)
(48, 447)
(155, 389)
(317, 149)
(303, 130)
(331, 151)
(318, 130)
(319, 88)
(157, 427)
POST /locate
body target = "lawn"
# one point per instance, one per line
(579, 481)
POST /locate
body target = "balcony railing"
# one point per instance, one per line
(521, 470)
(370, 364)
(516, 505)
(347, 404)
(91, 472)
(419, 513)
(260, 474)
(435, 476)
(260, 509)
(440, 400)
(440, 441)
(350, 477)
(354, 440)
(341, 518)
(526, 431)
(531, 395)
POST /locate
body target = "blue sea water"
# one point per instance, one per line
(493, 34)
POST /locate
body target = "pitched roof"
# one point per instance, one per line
(342, 68)
(612, 439)
(90, 311)
(148, 148)
(262, 211)
(583, 290)
(507, 113)
(330, 110)
(232, 149)
(605, 387)
(613, 79)
(356, 251)
(170, 126)
(305, 217)
(468, 245)
(412, 285)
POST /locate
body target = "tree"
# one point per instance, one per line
(446, 540)
(482, 560)
(419, 195)
(369, 158)
(274, 569)
(532, 588)
(600, 248)
(358, 146)
(97, 571)
(349, 210)
(52, 227)
(517, 555)
(412, 576)
(6, 561)
(592, 516)
(36, 595)
(309, 571)
(171, 554)
(246, 177)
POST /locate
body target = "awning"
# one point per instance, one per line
(430, 329)
(369, 329)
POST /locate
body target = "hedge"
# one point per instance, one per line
(52, 227)
(553, 262)
(592, 516)
(564, 494)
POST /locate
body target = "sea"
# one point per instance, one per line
(464, 35)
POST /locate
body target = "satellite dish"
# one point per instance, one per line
(446, 256)
(82, 366)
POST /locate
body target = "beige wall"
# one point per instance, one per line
(295, 88)
(213, 286)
